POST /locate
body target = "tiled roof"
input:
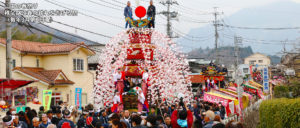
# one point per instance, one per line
(48, 76)
(43, 48)
(197, 78)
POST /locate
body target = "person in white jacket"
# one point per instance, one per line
(141, 99)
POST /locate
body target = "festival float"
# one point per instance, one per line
(134, 52)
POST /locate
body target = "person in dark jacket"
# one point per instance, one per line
(136, 122)
(82, 121)
(66, 122)
(128, 13)
(151, 13)
(104, 119)
(151, 121)
(55, 120)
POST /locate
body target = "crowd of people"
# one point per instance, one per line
(181, 115)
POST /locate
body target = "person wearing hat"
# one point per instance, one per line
(82, 121)
(18, 123)
(44, 122)
(66, 122)
(55, 120)
(8, 121)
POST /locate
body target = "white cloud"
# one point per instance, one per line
(298, 1)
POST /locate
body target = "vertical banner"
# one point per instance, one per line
(47, 95)
(266, 79)
(78, 97)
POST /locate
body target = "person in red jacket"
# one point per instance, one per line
(182, 119)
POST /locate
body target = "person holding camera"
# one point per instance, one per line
(182, 117)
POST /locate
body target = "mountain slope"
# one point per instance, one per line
(281, 14)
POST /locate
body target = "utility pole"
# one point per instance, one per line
(216, 24)
(8, 42)
(237, 42)
(238, 79)
(170, 16)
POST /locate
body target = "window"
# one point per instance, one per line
(260, 61)
(78, 64)
(245, 70)
(252, 61)
(56, 97)
(37, 63)
(13, 63)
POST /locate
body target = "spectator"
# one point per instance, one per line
(136, 122)
(99, 125)
(66, 122)
(118, 124)
(8, 121)
(209, 119)
(82, 121)
(167, 122)
(35, 122)
(44, 122)
(19, 124)
(182, 119)
(126, 119)
(55, 120)
(104, 119)
(49, 115)
(151, 121)
(51, 126)
(41, 112)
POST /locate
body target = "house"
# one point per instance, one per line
(57, 67)
(258, 60)
(292, 62)
(94, 60)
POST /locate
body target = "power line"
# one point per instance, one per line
(245, 40)
(82, 29)
(84, 14)
(111, 3)
(99, 13)
(103, 5)
(191, 38)
(187, 35)
(267, 28)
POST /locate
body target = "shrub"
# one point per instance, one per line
(280, 113)
(281, 91)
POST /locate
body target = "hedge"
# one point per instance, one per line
(281, 91)
(280, 113)
(284, 91)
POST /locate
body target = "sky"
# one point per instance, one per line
(196, 10)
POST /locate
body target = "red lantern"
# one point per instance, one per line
(140, 11)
